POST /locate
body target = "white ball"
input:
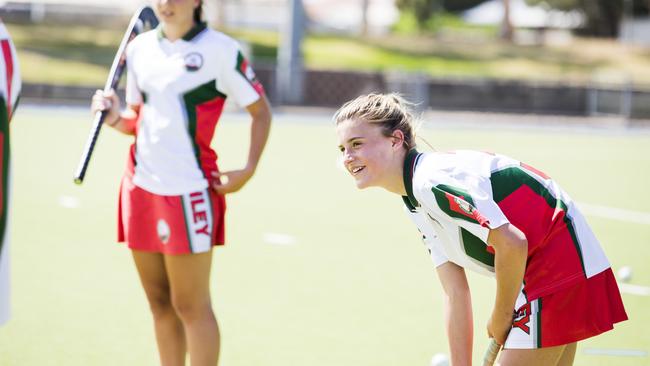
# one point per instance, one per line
(624, 274)
(440, 359)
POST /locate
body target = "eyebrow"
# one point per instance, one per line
(351, 139)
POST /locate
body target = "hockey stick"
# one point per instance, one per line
(491, 353)
(144, 16)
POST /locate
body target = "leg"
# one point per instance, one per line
(168, 327)
(568, 355)
(531, 357)
(189, 278)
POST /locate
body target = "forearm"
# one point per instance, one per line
(458, 312)
(459, 327)
(260, 127)
(509, 265)
(125, 122)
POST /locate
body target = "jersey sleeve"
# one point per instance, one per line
(429, 238)
(237, 78)
(10, 81)
(133, 92)
(467, 201)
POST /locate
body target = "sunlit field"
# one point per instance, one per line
(314, 273)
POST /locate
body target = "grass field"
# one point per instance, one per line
(355, 288)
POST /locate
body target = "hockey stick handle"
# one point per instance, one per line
(117, 68)
(491, 353)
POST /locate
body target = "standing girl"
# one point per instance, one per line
(494, 215)
(171, 207)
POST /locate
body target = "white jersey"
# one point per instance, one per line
(10, 85)
(181, 87)
(455, 198)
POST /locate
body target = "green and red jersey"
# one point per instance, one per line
(182, 87)
(455, 198)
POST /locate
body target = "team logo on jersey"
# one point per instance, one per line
(193, 61)
(244, 68)
(163, 231)
(464, 205)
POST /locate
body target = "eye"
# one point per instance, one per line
(356, 144)
(341, 149)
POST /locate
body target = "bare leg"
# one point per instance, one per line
(531, 357)
(189, 277)
(568, 355)
(170, 335)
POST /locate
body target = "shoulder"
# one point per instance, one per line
(218, 40)
(142, 40)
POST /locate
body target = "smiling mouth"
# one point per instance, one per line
(356, 170)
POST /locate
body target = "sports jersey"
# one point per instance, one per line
(9, 94)
(181, 87)
(455, 198)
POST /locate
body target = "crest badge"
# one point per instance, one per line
(193, 61)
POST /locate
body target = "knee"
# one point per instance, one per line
(190, 309)
(160, 305)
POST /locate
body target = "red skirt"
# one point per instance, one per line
(581, 311)
(188, 223)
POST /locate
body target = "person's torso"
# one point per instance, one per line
(561, 247)
(183, 91)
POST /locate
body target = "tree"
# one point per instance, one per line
(602, 17)
(422, 9)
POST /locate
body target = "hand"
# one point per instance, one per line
(235, 179)
(109, 102)
(499, 326)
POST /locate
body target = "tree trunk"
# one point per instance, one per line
(365, 4)
(506, 32)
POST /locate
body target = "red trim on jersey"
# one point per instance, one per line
(9, 62)
(2, 198)
(207, 117)
(534, 170)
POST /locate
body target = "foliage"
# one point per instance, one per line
(421, 9)
(603, 17)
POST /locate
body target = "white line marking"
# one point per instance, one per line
(634, 289)
(279, 239)
(69, 202)
(637, 217)
(615, 352)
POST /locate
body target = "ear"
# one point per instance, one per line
(397, 138)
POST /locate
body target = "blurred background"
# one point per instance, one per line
(316, 273)
(559, 57)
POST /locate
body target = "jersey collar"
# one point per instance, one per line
(410, 161)
(190, 35)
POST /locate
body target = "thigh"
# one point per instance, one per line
(568, 355)
(531, 357)
(189, 277)
(153, 276)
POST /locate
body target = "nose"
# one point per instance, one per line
(347, 156)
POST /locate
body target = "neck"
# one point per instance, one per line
(176, 31)
(395, 181)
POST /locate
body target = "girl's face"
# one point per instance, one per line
(175, 11)
(367, 153)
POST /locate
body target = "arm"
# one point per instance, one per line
(260, 113)
(458, 312)
(124, 121)
(511, 252)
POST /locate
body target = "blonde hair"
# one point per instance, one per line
(390, 111)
